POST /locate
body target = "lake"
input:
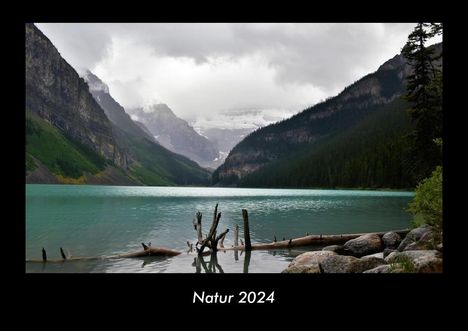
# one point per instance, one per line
(107, 220)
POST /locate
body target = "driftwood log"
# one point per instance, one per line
(211, 240)
(312, 240)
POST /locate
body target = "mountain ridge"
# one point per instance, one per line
(175, 133)
(302, 131)
(69, 135)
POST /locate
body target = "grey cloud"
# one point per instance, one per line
(325, 55)
(82, 45)
(321, 54)
(320, 58)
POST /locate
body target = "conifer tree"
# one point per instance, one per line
(424, 91)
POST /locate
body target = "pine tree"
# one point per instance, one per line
(424, 91)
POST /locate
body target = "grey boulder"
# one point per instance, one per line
(349, 264)
(308, 262)
(423, 261)
(363, 245)
(391, 240)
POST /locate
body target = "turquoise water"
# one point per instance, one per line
(107, 220)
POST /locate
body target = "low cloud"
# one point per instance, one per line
(202, 69)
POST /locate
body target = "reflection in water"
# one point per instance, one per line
(213, 265)
(151, 261)
(223, 262)
(247, 261)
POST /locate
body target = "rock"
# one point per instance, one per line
(337, 264)
(391, 258)
(440, 247)
(364, 264)
(309, 258)
(391, 240)
(428, 237)
(415, 246)
(377, 255)
(397, 268)
(307, 262)
(423, 261)
(382, 269)
(363, 245)
(414, 236)
(425, 242)
(338, 249)
(387, 251)
(302, 269)
(349, 264)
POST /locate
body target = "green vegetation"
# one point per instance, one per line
(59, 153)
(427, 202)
(69, 160)
(359, 146)
(424, 91)
(369, 154)
(30, 164)
(404, 263)
(155, 165)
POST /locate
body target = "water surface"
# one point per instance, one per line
(106, 220)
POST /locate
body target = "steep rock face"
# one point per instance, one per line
(176, 134)
(56, 93)
(113, 110)
(304, 130)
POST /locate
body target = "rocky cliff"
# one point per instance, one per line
(56, 93)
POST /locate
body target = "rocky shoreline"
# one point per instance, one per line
(420, 251)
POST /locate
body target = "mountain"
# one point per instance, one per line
(146, 130)
(230, 126)
(176, 134)
(223, 139)
(113, 110)
(350, 140)
(70, 139)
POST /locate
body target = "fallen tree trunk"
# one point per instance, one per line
(150, 251)
(311, 240)
(83, 258)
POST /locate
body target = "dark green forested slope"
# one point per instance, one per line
(62, 155)
(154, 165)
(370, 154)
(71, 162)
(359, 138)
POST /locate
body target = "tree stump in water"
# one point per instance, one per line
(245, 216)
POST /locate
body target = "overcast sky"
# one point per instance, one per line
(203, 69)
